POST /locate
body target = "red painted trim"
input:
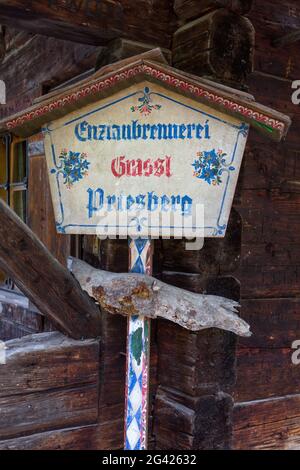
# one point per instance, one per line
(168, 78)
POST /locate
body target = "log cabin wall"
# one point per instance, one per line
(195, 377)
(267, 391)
(266, 394)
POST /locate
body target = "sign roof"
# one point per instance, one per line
(111, 79)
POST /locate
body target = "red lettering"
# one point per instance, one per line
(137, 168)
(118, 167)
(159, 167)
(168, 167)
(148, 168)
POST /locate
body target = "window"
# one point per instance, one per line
(13, 180)
(13, 174)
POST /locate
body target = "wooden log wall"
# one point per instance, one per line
(93, 21)
(193, 375)
(49, 396)
(196, 371)
(266, 415)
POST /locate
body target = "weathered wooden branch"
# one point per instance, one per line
(132, 294)
(57, 294)
(44, 280)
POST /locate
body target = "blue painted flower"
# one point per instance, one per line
(209, 166)
(74, 166)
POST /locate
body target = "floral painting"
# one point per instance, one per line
(146, 105)
(210, 165)
(74, 166)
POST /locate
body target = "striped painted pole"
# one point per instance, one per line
(138, 355)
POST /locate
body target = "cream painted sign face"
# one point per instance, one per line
(144, 162)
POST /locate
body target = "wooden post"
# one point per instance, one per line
(138, 355)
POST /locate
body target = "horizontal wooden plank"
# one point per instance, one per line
(270, 24)
(91, 22)
(274, 92)
(269, 166)
(267, 424)
(10, 330)
(37, 412)
(275, 323)
(187, 9)
(265, 373)
(260, 412)
(195, 364)
(22, 317)
(218, 256)
(206, 426)
(271, 254)
(30, 359)
(36, 57)
(201, 47)
(269, 224)
(107, 436)
(269, 281)
(171, 440)
(192, 415)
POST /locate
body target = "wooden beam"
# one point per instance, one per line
(219, 45)
(138, 294)
(91, 21)
(189, 9)
(48, 382)
(287, 39)
(2, 43)
(44, 280)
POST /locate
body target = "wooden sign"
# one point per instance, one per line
(144, 161)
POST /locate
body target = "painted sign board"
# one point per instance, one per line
(144, 161)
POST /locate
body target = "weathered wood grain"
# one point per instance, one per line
(268, 424)
(2, 43)
(220, 256)
(91, 22)
(269, 281)
(113, 255)
(219, 44)
(37, 412)
(47, 361)
(131, 294)
(195, 363)
(276, 322)
(10, 330)
(31, 67)
(40, 210)
(199, 423)
(22, 316)
(42, 278)
(16, 322)
(121, 49)
(107, 436)
(265, 373)
(189, 9)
